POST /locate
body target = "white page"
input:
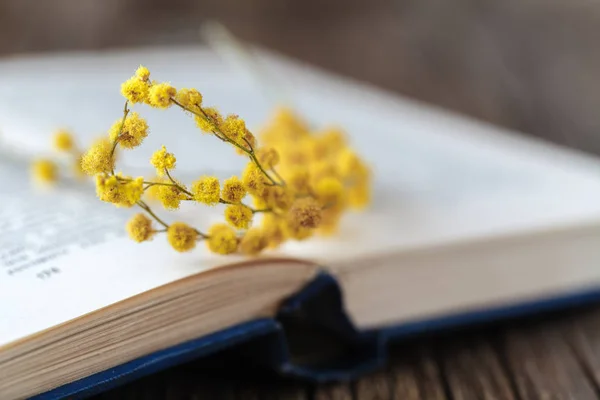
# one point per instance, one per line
(439, 178)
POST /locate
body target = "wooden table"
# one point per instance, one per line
(553, 356)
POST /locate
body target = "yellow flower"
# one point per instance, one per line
(329, 143)
(181, 236)
(162, 160)
(108, 188)
(122, 192)
(142, 73)
(323, 169)
(305, 213)
(207, 190)
(160, 95)
(351, 166)
(132, 192)
(280, 198)
(285, 126)
(140, 228)
(330, 221)
(210, 120)
(234, 128)
(260, 201)
(359, 196)
(253, 179)
(268, 157)
(63, 140)
(297, 153)
(189, 98)
(130, 133)
(329, 191)
(253, 242)
(135, 90)
(298, 179)
(239, 216)
(221, 239)
(170, 196)
(295, 231)
(44, 171)
(233, 190)
(98, 158)
(272, 227)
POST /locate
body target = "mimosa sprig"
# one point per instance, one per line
(296, 182)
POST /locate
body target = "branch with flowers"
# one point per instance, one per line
(296, 183)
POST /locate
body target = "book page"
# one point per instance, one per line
(439, 178)
(63, 254)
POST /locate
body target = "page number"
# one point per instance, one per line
(48, 273)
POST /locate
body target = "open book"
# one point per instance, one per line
(466, 218)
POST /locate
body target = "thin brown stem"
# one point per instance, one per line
(262, 210)
(202, 235)
(254, 210)
(149, 184)
(112, 155)
(177, 185)
(146, 208)
(114, 145)
(278, 176)
(253, 157)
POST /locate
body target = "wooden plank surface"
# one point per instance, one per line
(473, 370)
(544, 365)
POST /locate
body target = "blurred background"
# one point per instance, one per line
(530, 65)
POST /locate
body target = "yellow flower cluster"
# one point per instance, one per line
(222, 239)
(137, 88)
(233, 190)
(99, 158)
(123, 192)
(190, 99)
(239, 216)
(320, 165)
(181, 236)
(129, 132)
(296, 183)
(140, 228)
(207, 190)
(169, 193)
(160, 95)
(162, 161)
